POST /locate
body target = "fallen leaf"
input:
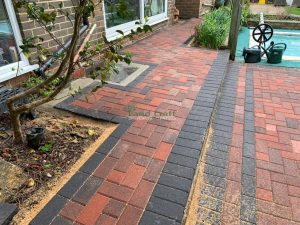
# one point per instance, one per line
(30, 182)
(91, 132)
(3, 134)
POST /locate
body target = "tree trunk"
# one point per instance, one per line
(16, 125)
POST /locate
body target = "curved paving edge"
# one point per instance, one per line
(116, 183)
(177, 174)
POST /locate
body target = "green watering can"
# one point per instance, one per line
(274, 52)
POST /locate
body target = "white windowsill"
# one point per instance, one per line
(116, 35)
(7, 75)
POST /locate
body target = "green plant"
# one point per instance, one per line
(213, 31)
(245, 12)
(47, 147)
(107, 52)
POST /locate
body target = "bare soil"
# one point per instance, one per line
(72, 140)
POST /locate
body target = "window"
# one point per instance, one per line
(12, 62)
(123, 14)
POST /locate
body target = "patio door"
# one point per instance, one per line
(123, 14)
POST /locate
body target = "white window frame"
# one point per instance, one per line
(10, 71)
(112, 34)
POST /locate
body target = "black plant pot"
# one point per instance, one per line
(35, 136)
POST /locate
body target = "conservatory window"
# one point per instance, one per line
(12, 63)
(124, 14)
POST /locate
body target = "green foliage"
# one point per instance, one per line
(47, 147)
(34, 80)
(291, 10)
(215, 28)
(245, 12)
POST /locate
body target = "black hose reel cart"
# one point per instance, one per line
(262, 33)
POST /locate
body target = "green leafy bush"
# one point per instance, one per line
(214, 29)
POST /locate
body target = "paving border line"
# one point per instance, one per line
(214, 160)
(169, 199)
(83, 177)
(248, 181)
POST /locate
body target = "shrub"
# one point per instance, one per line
(215, 28)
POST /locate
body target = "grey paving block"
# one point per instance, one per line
(178, 170)
(214, 180)
(249, 150)
(175, 182)
(150, 218)
(249, 137)
(190, 152)
(221, 140)
(92, 163)
(208, 216)
(215, 161)
(200, 117)
(190, 136)
(120, 130)
(171, 194)
(214, 170)
(248, 185)
(248, 166)
(248, 209)
(219, 146)
(108, 144)
(183, 160)
(50, 211)
(222, 133)
(213, 191)
(73, 185)
(223, 128)
(217, 154)
(89, 188)
(193, 129)
(190, 143)
(211, 203)
(199, 124)
(165, 208)
(7, 212)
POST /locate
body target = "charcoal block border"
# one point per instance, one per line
(169, 199)
(216, 160)
(248, 196)
(81, 178)
(183, 170)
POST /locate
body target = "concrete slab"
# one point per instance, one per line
(12, 178)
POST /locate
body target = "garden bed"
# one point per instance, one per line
(67, 139)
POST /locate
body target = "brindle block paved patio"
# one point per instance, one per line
(143, 173)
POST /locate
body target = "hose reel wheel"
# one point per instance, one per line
(262, 33)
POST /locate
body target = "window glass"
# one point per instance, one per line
(118, 12)
(8, 49)
(154, 7)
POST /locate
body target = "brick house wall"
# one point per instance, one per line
(192, 8)
(188, 8)
(63, 28)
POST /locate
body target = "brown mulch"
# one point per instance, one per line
(65, 141)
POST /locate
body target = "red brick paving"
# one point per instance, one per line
(277, 146)
(134, 165)
(277, 124)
